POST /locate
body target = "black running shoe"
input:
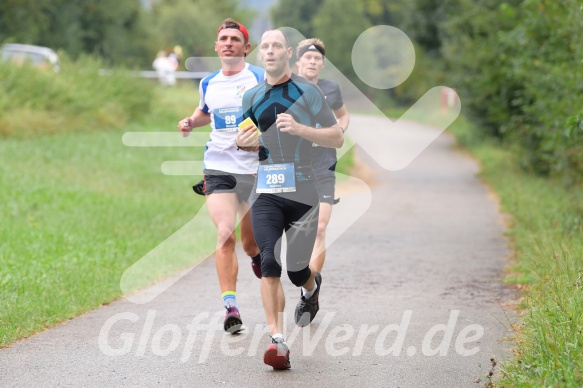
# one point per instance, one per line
(199, 187)
(307, 309)
(277, 355)
(233, 323)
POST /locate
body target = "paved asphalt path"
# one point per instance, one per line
(412, 296)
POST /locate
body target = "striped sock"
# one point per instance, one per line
(230, 298)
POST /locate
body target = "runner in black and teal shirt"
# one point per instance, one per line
(287, 109)
(298, 98)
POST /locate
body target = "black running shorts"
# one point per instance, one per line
(223, 182)
(325, 184)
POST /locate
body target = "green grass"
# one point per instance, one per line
(34, 102)
(79, 208)
(547, 236)
(345, 163)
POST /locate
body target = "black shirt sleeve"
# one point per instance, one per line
(319, 108)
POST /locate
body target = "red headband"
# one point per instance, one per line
(239, 27)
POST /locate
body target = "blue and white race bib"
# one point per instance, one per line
(276, 178)
(228, 119)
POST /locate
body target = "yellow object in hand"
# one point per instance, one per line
(247, 122)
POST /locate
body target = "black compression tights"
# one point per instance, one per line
(271, 215)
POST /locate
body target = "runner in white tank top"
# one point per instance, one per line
(221, 96)
(228, 173)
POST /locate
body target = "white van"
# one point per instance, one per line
(37, 56)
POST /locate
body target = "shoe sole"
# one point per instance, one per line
(233, 325)
(274, 360)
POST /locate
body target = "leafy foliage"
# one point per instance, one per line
(298, 14)
(191, 24)
(525, 54)
(108, 28)
(119, 32)
(346, 19)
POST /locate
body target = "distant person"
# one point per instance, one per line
(176, 55)
(228, 172)
(165, 68)
(310, 62)
(286, 109)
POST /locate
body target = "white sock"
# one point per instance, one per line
(277, 335)
(308, 294)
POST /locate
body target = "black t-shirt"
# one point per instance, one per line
(324, 158)
(332, 93)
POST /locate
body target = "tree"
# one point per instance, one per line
(511, 61)
(107, 28)
(339, 23)
(23, 21)
(423, 18)
(297, 14)
(385, 12)
(191, 24)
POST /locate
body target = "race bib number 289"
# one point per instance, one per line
(276, 178)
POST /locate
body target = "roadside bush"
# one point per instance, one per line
(568, 146)
(478, 65)
(35, 102)
(512, 61)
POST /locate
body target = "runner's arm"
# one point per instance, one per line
(198, 119)
(326, 137)
(343, 117)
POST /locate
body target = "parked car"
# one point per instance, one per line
(37, 56)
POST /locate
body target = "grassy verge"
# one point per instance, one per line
(346, 162)
(34, 102)
(79, 208)
(546, 230)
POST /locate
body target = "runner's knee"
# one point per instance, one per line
(269, 265)
(299, 278)
(226, 236)
(249, 244)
